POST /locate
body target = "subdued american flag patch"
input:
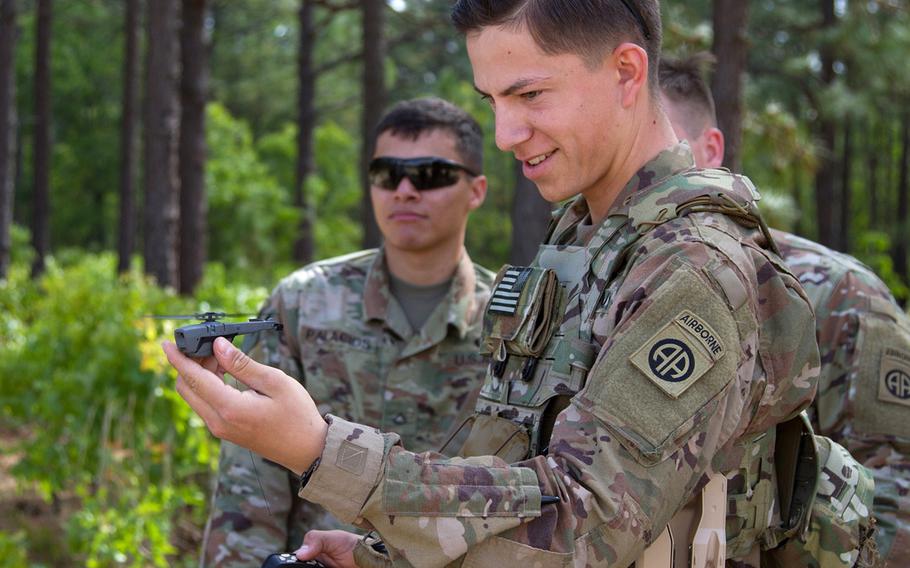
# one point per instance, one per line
(508, 291)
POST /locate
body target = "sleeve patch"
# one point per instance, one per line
(679, 354)
(894, 377)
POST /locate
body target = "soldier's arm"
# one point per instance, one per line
(253, 499)
(623, 457)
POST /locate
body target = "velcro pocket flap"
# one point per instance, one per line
(522, 312)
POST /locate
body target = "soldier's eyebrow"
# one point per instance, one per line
(518, 85)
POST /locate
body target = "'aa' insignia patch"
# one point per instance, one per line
(894, 377)
(679, 354)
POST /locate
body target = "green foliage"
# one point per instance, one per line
(872, 248)
(332, 190)
(82, 371)
(12, 550)
(251, 218)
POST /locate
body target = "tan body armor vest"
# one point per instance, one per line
(528, 384)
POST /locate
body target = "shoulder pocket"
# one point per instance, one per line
(882, 374)
(666, 368)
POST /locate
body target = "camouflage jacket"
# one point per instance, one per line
(348, 340)
(681, 343)
(864, 388)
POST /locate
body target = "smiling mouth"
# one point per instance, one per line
(537, 160)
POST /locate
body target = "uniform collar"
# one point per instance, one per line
(456, 310)
(669, 162)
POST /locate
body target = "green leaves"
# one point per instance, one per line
(82, 375)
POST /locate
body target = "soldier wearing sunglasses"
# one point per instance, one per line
(385, 337)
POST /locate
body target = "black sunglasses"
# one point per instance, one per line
(425, 172)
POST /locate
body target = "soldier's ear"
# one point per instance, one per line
(631, 62)
(478, 192)
(714, 148)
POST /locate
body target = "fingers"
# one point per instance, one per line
(201, 389)
(259, 377)
(313, 544)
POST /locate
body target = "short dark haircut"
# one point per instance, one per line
(413, 118)
(682, 82)
(588, 28)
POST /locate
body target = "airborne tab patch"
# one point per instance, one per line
(894, 377)
(679, 354)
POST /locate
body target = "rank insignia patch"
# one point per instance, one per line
(894, 377)
(679, 354)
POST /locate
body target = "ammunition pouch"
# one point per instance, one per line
(522, 313)
(841, 526)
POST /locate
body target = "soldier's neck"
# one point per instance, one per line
(424, 267)
(652, 135)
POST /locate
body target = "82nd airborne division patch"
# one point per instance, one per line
(679, 354)
(894, 377)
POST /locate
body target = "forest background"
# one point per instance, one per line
(167, 156)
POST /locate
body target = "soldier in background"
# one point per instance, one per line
(386, 337)
(653, 344)
(863, 399)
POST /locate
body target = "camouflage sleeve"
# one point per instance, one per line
(254, 498)
(623, 457)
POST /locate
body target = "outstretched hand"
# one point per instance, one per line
(276, 418)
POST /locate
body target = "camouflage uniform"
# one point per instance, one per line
(864, 388)
(680, 344)
(349, 341)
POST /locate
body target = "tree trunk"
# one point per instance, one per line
(42, 156)
(799, 226)
(903, 200)
(306, 126)
(530, 219)
(731, 50)
(872, 151)
(826, 135)
(128, 122)
(194, 53)
(161, 116)
(373, 105)
(8, 36)
(845, 187)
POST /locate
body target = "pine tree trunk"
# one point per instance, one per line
(128, 142)
(306, 126)
(530, 219)
(826, 137)
(194, 53)
(846, 201)
(161, 116)
(903, 203)
(373, 105)
(872, 151)
(731, 48)
(8, 36)
(42, 156)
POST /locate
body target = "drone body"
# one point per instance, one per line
(196, 340)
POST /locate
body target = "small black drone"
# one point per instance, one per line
(196, 340)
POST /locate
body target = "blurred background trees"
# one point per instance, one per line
(203, 148)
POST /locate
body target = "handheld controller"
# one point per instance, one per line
(288, 560)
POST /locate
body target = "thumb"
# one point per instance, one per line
(242, 367)
(311, 548)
